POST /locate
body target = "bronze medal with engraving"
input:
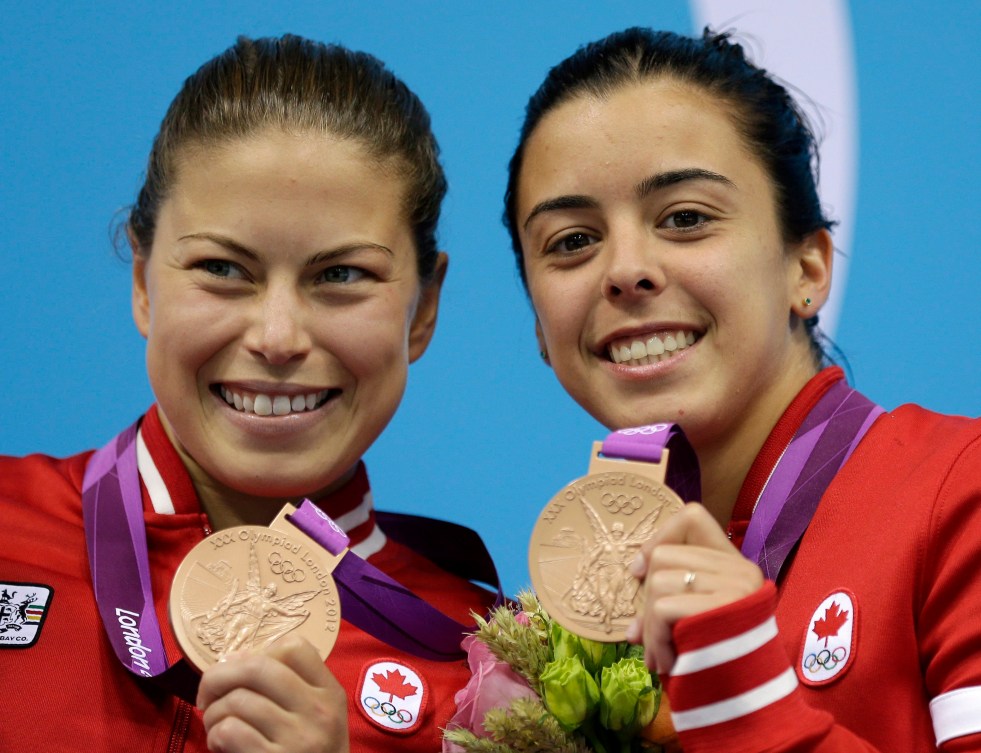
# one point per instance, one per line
(586, 538)
(246, 587)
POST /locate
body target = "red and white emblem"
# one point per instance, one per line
(829, 643)
(392, 695)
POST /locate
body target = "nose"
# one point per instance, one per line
(633, 268)
(278, 333)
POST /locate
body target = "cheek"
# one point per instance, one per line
(370, 344)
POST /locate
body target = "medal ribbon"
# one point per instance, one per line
(646, 443)
(822, 444)
(115, 534)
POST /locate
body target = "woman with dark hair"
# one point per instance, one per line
(663, 209)
(285, 275)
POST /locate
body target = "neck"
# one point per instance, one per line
(724, 461)
(227, 507)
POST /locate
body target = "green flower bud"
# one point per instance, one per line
(569, 691)
(593, 654)
(628, 702)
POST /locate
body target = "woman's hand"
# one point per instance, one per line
(688, 567)
(283, 699)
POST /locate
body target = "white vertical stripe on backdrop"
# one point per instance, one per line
(808, 45)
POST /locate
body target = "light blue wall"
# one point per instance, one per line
(485, 436)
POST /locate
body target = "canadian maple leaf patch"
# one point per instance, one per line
(393, 695)
(830, 639)
(829, 625)
(393, 682)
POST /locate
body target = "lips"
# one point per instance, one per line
(650, 348)
(273, 404)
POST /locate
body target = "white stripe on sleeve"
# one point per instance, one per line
(725, 651)
(956, 713)
(741, 705)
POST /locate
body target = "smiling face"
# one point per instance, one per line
(281, 306)
(663, 286)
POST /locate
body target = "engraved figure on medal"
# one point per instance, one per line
(583, 544)
(602, 587)
(247, 587)
(251, 617)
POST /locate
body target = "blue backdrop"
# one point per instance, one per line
(485, 435)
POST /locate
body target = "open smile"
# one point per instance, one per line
(650, 348)
(272, 404)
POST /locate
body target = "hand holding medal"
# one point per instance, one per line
(247, 587)
(591, 531)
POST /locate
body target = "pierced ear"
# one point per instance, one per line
(542, 347)
(141, 298)
(424, 321)
(811, 285)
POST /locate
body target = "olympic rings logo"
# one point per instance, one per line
(825, 659)
(395, 716)
(644, 430)
(620, 503)
(284, 569)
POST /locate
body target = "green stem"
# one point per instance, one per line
(589, 730)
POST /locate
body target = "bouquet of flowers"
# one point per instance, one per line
(538, 687)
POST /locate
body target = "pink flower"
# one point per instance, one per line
(493, 684)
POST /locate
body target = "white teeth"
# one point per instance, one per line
(657, 348)
(263, 405)
(272, 405)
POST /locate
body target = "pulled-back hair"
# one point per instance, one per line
(299, 85)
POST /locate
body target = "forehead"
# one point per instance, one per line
(277, 189)
(636, 130)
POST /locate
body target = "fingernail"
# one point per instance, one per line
(638, 566)
(633, 632)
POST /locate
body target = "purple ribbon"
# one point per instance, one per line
(647, 442)
(822, 444)
(115, 535)
(116, 541)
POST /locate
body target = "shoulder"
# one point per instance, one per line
(40, 480)
(913, 436)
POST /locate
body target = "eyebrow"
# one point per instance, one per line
(318, 258)
(672, 177)
(559, 203)
(644, 188)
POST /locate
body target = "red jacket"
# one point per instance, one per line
(66, 690)
(876, 643)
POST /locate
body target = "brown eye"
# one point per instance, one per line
(571, 243)
(685, 219)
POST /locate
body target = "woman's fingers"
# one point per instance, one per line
(688, 567)
(277, 700)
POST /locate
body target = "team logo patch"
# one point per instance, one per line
(393, 695)
(829, 644)
(23, 607)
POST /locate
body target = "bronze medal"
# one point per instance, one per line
(586, 538)
(244, 588)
